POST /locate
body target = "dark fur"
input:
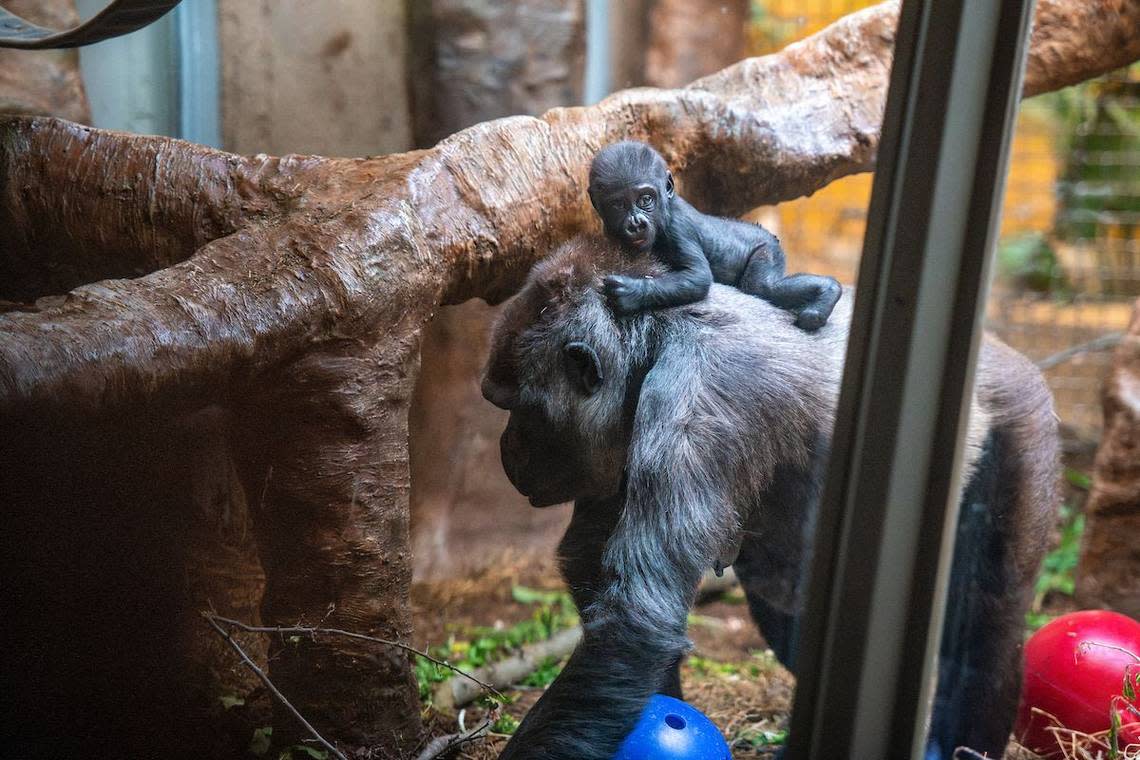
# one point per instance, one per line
(684, 433)
(632, 191)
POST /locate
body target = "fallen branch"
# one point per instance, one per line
(441, 746)
(312, 632)
(257, 671)
(455, 693)
(1103, 343)
(452, 694)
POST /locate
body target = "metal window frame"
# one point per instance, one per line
(882, 551)
(162, 79)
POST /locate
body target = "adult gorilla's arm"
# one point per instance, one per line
(674, 523)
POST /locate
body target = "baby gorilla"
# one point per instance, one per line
(632, 190)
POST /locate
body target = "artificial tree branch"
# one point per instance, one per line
(80, 204)
(364, 246)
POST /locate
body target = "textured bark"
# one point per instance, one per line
(692, 38)
(290, 294)
(475, 60)
(1109, 571)
(43, 82)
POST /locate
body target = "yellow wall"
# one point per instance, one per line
(824, 233)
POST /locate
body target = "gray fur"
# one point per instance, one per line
(708, 433)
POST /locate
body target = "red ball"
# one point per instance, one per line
(1074, 667)
(1129, 734)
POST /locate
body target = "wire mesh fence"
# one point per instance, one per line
(1068, 261)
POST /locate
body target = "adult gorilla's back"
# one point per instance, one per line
(697, 436)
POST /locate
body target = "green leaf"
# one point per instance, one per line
(231, 700)
(1078, 479)
(527, 595)
(261, 741)
(1114, 735)
(505, 724)
(313, 752)
(545, 673)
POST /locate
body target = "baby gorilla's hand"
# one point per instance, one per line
(624, 293)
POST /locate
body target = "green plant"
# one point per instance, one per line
(757, 663)
(505, 724)
(1057, 570)
(261, 740)
(230, 701)
(1028, 262)
(554, 611)
(545, 674)
(1078, 479)
(759, 738)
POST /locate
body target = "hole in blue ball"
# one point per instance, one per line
(674, 721)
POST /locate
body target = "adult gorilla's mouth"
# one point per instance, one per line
(543, 500)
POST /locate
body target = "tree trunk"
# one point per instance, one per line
(289, 294)
(1109, 571)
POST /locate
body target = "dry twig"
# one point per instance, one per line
(213, 621)
(440, 746)
(314, 631)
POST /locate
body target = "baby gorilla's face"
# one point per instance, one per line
(632, 215)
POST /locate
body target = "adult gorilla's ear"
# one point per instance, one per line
(583, 367)
(669, 189)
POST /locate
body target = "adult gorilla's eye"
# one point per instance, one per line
(645, 201)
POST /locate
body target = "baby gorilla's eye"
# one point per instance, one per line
(645, 201)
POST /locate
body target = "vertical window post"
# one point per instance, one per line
(882, 551)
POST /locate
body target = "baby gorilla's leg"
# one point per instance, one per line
(812, 297)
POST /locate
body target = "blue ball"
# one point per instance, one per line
(670, 729)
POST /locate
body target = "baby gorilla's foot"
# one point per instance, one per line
(811, 319)
(623, 293)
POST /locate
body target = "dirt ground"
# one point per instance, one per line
(729, 675)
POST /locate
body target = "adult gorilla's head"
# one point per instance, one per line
(562, 364)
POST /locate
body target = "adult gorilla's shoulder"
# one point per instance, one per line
(699, 435)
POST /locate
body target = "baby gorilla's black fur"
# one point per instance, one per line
(632, 190)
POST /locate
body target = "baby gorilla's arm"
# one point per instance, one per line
(688, 282)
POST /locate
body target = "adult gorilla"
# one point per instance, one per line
(698, 435)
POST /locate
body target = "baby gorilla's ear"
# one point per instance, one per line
(669, 184)
(593, 199)
(583, 367)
